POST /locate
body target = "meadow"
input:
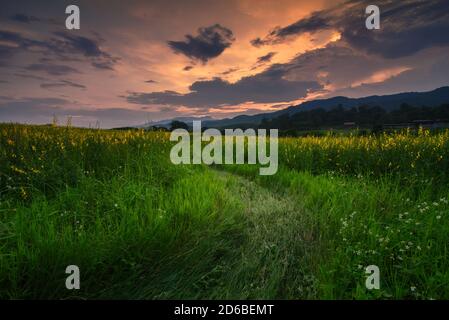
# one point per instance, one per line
(139, 227)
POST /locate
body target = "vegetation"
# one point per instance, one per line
(375, 200)
(363, 116)
(138, 226)
(175, 124)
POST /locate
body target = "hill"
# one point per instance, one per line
(391, 102)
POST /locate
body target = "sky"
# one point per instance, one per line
(133, 62)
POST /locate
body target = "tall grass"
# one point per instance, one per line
(110, 203)
(419, 157)
(138, 226)
(356, 222)
(372, 200)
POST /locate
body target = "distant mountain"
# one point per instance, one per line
(167, 122)
(388, 102)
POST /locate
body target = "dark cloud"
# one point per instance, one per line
(73, 44)
(52, 69)
(229, 71)
(83, 45)
(337, 66)
(12, 43)
(266, 58)
(420, 77)
(150, 81)
(208, 44)
(187, 68)
(26, 18)
(63, 46)
(20, 17)
(12, 37)
(267, 87)
(406, 26)
(62, 84)
(105, 65)
(334, 64)
(343, 70)
(317, 21)
(60, 57)
(263, 60)
(310, 24)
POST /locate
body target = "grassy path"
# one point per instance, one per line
(256, 247)
(276, 254)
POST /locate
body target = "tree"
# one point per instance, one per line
(175, 124)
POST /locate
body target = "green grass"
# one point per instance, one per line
(140, 227)
(358, 222)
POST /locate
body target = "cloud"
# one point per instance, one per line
(106, 65)
(406, 26)
(317, 21)
(20, 17)
(229, 71)
(88, 47)
(208, 44)
(12, 43)
(31, 107)
(150, 81)
(83, 45)
(269, 86)
(263, 60)
(361, 61)
(423, 75)
(335, 64)
(63, 46)
(41, 111)
(62, 84)
(52, 69)
(266, 58)
(343, 70)
(336, 68)
(30, 76)
(187, 68)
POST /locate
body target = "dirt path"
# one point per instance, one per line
(277, 253)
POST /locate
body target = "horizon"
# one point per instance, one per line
(210, 118)
(133, 63)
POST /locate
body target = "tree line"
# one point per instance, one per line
(366, 117)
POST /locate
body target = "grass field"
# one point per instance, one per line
(139, 227)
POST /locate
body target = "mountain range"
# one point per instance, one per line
(388, 102)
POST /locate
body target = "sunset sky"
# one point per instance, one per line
(138, 61)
